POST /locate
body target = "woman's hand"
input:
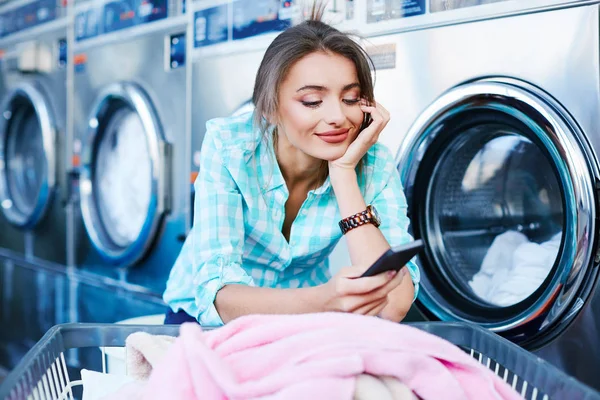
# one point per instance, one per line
(347, 292)
(365, 139)
(399, 300)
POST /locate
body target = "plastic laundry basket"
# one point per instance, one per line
(42, 374)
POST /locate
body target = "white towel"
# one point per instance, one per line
(144, 351)
(497, 260)
(514, 268)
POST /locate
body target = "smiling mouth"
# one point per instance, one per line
(335, 136)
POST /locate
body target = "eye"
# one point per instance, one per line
(351, 101)
(311, 104)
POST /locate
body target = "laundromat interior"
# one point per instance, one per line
(494, 130)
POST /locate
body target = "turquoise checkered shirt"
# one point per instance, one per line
(239, 211)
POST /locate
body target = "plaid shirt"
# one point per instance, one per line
(239, 212)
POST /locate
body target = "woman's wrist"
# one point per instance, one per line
(315, 298)
(347, 191)
(341, 176)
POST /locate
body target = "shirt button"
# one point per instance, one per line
(303, 212)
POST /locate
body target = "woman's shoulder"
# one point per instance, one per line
(233, 134)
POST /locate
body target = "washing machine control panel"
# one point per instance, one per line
(241, 19)
(16, 19)
(97, 18)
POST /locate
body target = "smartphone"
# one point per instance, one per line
(394, 259)
(367, 119)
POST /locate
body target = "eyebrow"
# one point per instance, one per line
(323, 88)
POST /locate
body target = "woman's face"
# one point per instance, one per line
(319, 105)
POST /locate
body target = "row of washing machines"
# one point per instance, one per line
(495, 124)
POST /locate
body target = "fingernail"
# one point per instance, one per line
(391, 274)
(403, 272)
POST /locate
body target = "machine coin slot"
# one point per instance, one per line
(176, 51)
(62, 53)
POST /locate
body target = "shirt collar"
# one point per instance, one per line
(269, 167)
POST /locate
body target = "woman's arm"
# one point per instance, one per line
(234, 301)
(367, 242)
(343, 293)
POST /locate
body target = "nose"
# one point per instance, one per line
(334, 114)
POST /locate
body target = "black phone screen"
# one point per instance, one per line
(394, 259)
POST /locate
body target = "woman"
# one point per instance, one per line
(278, 187)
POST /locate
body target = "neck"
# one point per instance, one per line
(297, 167)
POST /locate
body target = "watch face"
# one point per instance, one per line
(375, 215)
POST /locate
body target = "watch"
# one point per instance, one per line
(369, 216)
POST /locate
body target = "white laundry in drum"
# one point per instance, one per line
(513, 268)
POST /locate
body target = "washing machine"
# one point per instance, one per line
(496, 127)
(228, 44)
(130, 139)
(33, 187)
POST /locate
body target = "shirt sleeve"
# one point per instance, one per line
(390, 202)
(218, 233)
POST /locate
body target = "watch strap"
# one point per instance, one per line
(356, 220)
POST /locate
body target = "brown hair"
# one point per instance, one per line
(310, 36)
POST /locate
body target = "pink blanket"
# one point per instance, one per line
(314, 356)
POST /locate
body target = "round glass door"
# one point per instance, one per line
(500, 185)
(494, 214)
(123, 182)
(27, 155)
(123, 176)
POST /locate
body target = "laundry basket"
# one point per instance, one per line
(43, 373)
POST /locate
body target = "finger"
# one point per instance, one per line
(381, 108)
(362, 304)
(354, 303)
(395, 281)
(362, 301)
(385, 115)
(353, 271)
(369, 109)
(384, 112)
(364, 285)
(384, 290)
(378, 310)
(373, 308)
(376, 115)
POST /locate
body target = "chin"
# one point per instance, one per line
(331, 152)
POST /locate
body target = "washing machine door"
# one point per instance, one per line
(27, 155)
(502, 186)
(125, 174)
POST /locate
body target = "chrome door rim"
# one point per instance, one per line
(33, 94)
(577, 171)
(134, 97)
